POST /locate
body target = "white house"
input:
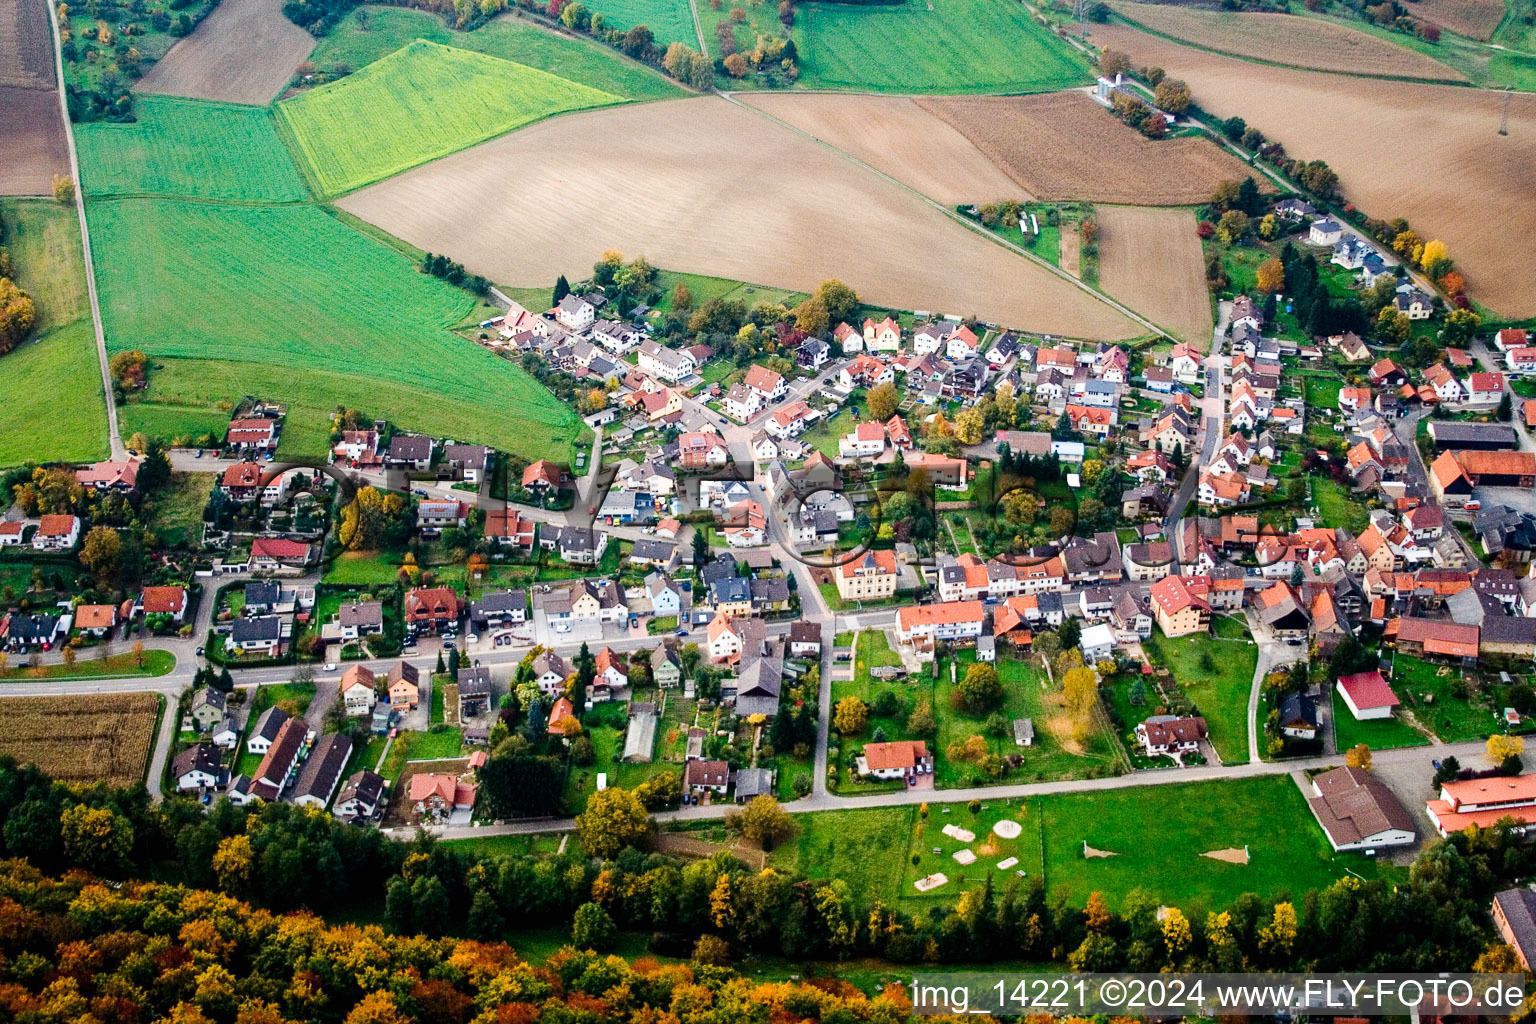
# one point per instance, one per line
(575, 313)
(56, 533)
(866, 441)
(1098, 643)
(1325, 231)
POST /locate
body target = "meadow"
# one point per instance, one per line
(1221, 690)
(370, 33)
(946, 46)
(184, 147)
(308, 310)
(54, 408)
(669, 20)
(428, 100)
(1157, 835)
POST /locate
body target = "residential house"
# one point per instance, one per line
(434, 515)
(894, 760)
(119, 477)
(507, 528)
(403, 686)
(207, 709)
(259, 433)
(197, 767)
(706, 777)
(362, 797)
(468, 461)
(411, 452)
(358, 689)
(1170, 735)
(321, 773)
(431, 609)
(1178, 608)
(260, 635)
(56, 533)
(668, 364)
(474, 691)
(576, 312)
(170, 601)
(498, 610)
(1325, 232)
(870, 576)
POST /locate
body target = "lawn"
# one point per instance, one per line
(858, 846)
(946, 46)
(178, 508)
(1220, 690)
(124, 665)
(1322, 389)
(1159, 833)
(1055, 754)
(1337, 508)
(702, 288)
(310, 312)
(54, 407)
(428, 100)
(440, 742)
(370, 33)
(1379, 734)
(189, 148)
(1441, 703)
(825, 434)
(538, 844)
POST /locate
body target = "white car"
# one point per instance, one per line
(330, 666)
(471, 638)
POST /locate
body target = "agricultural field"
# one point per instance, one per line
(1150, 259)
(82, 738)
(1476, 19)
(671, 21)
(55, 377)
(309, 310)
(190, 148)
(1429, 153)
(897, 137)
(429, 100)
(663, 164)
(1288, 39)
(942, 46)
(370, 33)
(244, 51)
(1067, 147)
(35, 146)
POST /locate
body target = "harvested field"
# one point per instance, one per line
(245, 51)
(26, 51)
(1064, 146)
(1429, 153)
(1476, 19)
(81, 738)
(428, 100)
(1150, 259)
(35, 148)
(703, 189)
(895, 135)
(1289, 39)
(30, 119)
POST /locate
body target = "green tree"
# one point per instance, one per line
(881, 401)
(593, 929)
(980, 689)
(96, 838)
(763, 821)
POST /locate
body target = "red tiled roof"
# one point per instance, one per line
(897, 754)
(164, 600)
(1368, 690)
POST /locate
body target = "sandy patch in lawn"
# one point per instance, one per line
(1150, 259)
(1093, 854)
(895, 135)
(1064, 146)
(1429, 153)
(705, 186)
(1230, 855)
(245, 51)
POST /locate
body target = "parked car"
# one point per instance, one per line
(471, 638)
(330, 666)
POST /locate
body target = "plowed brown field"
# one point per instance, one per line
(1474, 18)
(895, 135)
(1150, 260)
(1289, 39)
(1064, 146)
(31, 122)
(245, 51)
(1429, 153)
(703, 185)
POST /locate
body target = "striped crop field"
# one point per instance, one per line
(422, 102)
(191, 148)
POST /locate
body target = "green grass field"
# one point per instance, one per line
(370, 33)
(1441, 703)
(954, 46)
(1220, 692)
(54, 408)
(428, 100)
(669, 20)
(189, 148)
(307, 311)
(1160, 833)
(122, 665)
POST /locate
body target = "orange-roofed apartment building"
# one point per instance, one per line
(869, 577)
(921, 625)
(1482, 802)
(1178, 610)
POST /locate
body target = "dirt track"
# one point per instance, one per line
(701, 185)
(1064, 146)
(893, 134)
(1429, 153)
(1290, 39)
(243, 52)
(31, 122)
(1150, 259)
